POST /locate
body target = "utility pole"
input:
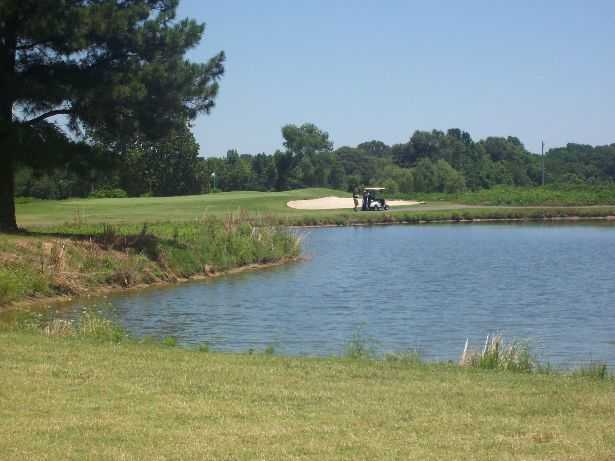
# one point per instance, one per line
(542, 154)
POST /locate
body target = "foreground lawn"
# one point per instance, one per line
(75, 399)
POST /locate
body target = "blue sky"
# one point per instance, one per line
(365, 70)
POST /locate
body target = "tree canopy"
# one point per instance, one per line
(116, 69)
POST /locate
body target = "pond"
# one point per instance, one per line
(425, 288)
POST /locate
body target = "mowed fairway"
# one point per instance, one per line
(272, 207)
(160, 209)
(74, 399)
(186, 208)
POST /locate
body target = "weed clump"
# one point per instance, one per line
(496, 355)
(360, 346)
(92, 324)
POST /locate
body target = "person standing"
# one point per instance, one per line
(355, 198)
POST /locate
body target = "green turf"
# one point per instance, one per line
(83, 400)
(270, 207)
(157, 209)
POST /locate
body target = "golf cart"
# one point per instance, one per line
(371, 202)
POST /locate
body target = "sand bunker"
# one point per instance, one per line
(335, 203)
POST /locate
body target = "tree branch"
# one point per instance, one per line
(46, 115)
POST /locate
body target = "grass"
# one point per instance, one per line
(73, 260)
(156, 209)
(548, 196)
(80, 398)
(270, 208)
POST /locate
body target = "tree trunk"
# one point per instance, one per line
(7, 191)
(8, 47)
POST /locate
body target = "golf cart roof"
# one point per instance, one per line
(374, 188)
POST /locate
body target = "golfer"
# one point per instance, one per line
(355, 198)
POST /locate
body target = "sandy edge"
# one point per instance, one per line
(338, 203)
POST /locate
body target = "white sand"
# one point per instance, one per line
(335, 203)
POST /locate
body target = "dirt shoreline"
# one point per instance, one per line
(101, 291)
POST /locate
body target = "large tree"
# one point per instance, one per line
(301, 143)
(115, 69)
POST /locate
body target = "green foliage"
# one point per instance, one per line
(168, 166)
(551, 195)
(169, 341)
(116, 70)
(430, 162)
(18, 281)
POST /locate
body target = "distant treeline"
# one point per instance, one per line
(433, 161)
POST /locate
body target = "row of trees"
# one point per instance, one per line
(429, 162)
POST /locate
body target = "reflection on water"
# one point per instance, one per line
(407, 287)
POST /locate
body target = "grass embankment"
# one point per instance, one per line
(69, 251)
(77, 260)
(270, 207)
(82, 398)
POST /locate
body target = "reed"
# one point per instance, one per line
(496, 354)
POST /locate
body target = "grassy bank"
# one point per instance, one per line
(80, 259)
(76, 398)
(430, 214)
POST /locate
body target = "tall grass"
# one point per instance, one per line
(497, 355)
(92, 323)
(593, 370)
(73, 259)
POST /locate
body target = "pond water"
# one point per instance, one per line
(424, 288)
